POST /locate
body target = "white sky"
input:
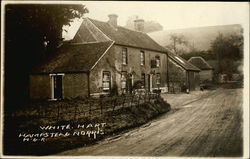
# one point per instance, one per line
(171, 15)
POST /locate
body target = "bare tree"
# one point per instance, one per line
(177, 39)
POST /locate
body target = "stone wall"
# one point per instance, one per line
(112, 62)
(206, 75)
(73, 85)
(40, 87)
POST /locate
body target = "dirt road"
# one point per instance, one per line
(207, 126)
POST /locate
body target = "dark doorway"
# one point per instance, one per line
(129, 83)
(58, 87)
(149, 82)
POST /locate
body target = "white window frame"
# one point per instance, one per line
(103, 81)
(123, 79)
(143, 79)
(158, 61)
(124, 54)
(142, 57)
(158, 78)
(52, 76)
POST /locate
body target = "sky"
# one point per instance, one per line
(171, 15)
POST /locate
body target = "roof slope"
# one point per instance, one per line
(182, 62)
(200, 63)
(74, 58)
(127, 37)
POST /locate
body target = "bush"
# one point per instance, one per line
(138, 85)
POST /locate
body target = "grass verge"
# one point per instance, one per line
(115, 122)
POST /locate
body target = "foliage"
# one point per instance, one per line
(32, 31)
(114, 90)
(177, 39)
(138, 85)
(227, 49)
(176, 76)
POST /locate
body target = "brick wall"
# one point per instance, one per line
(73, 85)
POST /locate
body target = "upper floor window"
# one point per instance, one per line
(142, 58)
(157, 60)
(106, 80)
(124, 56)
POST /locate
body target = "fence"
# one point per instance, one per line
(92, 107)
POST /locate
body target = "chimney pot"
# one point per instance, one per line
(113, 19)
(139, 25)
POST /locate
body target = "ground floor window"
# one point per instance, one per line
(123, 80)
(158, 78)
(143, 79)
(106, 80)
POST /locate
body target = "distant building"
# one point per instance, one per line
(206, 73)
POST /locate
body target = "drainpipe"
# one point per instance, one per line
(188, 89)
(167, 73)
(88, 74)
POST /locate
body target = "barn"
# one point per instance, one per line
(206, 73)
(183, 76)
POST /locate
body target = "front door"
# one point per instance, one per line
(57, 87)
(149, 82)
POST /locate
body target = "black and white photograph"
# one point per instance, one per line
(124, 79)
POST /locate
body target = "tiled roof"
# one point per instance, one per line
(74, 58)
(182, 62)
(127, 37)
(200, 63)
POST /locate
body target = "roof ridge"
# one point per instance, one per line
(87, 43)
(102, 55)
(202, 59)
(98, 28)
(118, 26)
(128, 37)
(178, 58)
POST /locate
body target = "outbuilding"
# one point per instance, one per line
(183, 76)
(206, 73)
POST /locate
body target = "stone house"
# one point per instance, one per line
(104, 58)
(101, 58)
(183, 76)
(206, 73)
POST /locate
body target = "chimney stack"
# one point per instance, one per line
(113, 20)
(139, 25)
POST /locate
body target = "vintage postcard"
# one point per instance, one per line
(124, 79)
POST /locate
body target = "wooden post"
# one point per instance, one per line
(101, 105)
(90, 107)
(114, 103)
(75, 112)
(58, 112)
(131, 102)
(138, 103)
